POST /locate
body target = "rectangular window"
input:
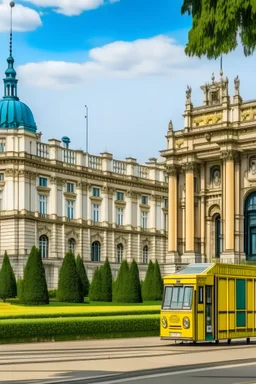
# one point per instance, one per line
(96, 192)
(70, 187)
(1, 176)
(70, 209)
(166, 203)
(144, 200)
(177, 297)
(120, 216)
(42, 182)
(120, 196)
(165, 222)
(167, 298)
(144, 219)
(2, 146)
(43, 204)
(96, 212)
(201, 295)
(195, 185)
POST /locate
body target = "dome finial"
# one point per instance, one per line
(12, 5)
(10, 81)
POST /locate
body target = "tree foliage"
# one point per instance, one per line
(95, 291)
(8, 286)
(35, 290)
(69, 288)
(157, 283)
(218, 24)
(147, 288)
(133, 286)
(84, 281)
(121, 283)
(106, 284)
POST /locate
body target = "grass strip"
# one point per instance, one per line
(79, 314)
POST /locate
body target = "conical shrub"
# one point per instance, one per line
(133, 286)
(84, 281)
(95, 291)
(121, 282)
(69, 282)
(106, 282)
(35, 290)
(8, 286)
(148, 293)
(157, 282)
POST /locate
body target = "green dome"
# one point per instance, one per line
(14, 113)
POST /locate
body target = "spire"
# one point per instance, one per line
(10, 81)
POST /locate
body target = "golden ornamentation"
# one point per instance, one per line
(213, 118)
(248, 114)
(179, 142)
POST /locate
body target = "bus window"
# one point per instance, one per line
(187, 297)
(167, 297)
(177, 298)
(201, 295)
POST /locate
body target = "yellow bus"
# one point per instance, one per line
(209, 302)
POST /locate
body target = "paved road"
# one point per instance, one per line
(120, 360)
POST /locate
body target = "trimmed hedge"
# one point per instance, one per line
(80, 314)
(87, 327)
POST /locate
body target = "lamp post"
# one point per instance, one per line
(87, 132)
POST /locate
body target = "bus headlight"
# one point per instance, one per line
(164, 322)
(186, 322)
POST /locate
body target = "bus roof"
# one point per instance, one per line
(194, 269)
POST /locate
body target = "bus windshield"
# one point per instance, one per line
(177, 297)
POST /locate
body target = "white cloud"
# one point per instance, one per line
(70, 7)
(24, 18)
(159, 55)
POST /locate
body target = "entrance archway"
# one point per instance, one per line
(250, 227)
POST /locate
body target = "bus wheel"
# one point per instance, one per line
(248, 340)
(229, 341)
(194, 342)
(216, 341)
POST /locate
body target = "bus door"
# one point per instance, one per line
(209, 313)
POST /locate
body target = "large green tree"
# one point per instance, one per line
(147, 287)
(218, 24)
(95, 291)
(121, 283)
(157, 283)
(69, 288)
(106, 277)
(84, 281)
(8, 286)
(133, 286)
(35, 290)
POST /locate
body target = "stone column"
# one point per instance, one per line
(189, 207)
(202, 212)
(172, 213)
(229, 254)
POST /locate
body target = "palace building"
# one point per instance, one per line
(61, 199)
(211, 165)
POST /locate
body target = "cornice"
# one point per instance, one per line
(136, 182)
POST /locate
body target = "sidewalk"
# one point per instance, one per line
(65, 360)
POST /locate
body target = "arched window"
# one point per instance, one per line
(71, 245)
(250, 227)
(120, 252)
(43, 246)
(217, 236)
(145, 254)
(96, 251)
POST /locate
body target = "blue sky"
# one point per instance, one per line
(124, 59)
